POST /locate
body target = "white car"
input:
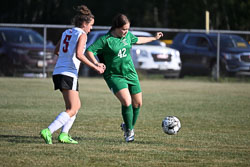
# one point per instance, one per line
(150, 57)
(155, 57)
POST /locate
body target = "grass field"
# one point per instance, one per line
(215, 121)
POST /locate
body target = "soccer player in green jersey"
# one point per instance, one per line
(113, 49)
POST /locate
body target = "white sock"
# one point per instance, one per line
(66, 127)
(60, 120)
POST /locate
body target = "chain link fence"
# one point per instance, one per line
(53, 33)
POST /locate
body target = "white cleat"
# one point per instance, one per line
(123, 128)
(130, 135)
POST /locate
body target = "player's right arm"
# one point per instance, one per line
(79, 54)
(91, 57)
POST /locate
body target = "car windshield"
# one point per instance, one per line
(21, 37)
(231, 41)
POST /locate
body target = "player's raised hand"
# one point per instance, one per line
(158, 35)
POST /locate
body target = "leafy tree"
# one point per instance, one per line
(190, 14)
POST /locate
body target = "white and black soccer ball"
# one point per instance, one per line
(171, 125)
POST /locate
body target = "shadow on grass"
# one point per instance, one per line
(20, 139)
(38, 139)
(113, 141)
(98, 139)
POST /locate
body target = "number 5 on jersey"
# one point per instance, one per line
(122, 53)
(66, 43)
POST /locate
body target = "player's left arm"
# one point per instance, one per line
(56, 51)
(142, 40)
(95, 49)
(92, 58)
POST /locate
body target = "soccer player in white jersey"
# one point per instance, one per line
(71, 50)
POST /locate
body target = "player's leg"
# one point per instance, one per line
(136, 103)
(59, 121)
(119, 87)
(66, 127)
(136, 95)
(72, 101)
(73, 104)
(69, 88)
(127, 113)
(124, 97)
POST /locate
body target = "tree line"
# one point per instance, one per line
(190, 14)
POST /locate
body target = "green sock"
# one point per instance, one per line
(135, 113)
(127, 114)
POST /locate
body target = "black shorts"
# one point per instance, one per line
(65, 82)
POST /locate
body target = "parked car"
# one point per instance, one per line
(152, 57)
(198, 53)
(21, 52)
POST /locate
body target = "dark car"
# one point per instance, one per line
(198, 53)
(21, 51)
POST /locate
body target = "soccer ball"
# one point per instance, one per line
(171, 125)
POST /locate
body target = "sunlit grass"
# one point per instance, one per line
(215, 121)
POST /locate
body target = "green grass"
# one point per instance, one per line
(215, 121)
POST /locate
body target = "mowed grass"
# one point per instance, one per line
(215, 121)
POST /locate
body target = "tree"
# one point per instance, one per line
(224, 14)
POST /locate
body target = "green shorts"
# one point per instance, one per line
(118, 83)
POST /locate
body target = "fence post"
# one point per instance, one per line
(44, 50)
(218, 58)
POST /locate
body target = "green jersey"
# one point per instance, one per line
(115, 54)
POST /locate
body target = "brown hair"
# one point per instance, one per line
(119, 20)
(83, 15)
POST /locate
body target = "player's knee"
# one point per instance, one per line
(73, 111)
(137, 104)
(126, 104)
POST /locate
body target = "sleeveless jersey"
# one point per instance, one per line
(67, 63)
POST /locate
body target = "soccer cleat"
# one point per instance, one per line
(123, 128)
(66, 138)
(130, 135)
(46, 135)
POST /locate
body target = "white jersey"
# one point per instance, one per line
(67, 63)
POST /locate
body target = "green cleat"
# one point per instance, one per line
(46, 135)
(66, 138)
